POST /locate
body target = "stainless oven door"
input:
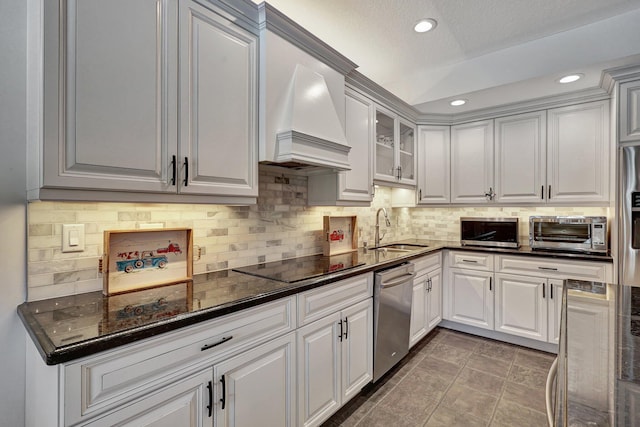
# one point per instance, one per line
(553, 235)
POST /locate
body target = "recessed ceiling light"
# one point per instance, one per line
(458, 102)
(425, 25)
(570, 78)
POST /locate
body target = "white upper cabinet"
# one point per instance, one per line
(352, 187)
(218, 94)
(472, 162)
(112, 118)
(520, 148)
(395, 149)
(629, 111)
(434, 144)
(578, 154)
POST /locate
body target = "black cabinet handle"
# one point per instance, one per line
(548, 268)
(551, 291)
(186, 171)
(490, 280)
(174, 168)
(346, 330)
(542, 192)
(340, 323)
(210, 405)
(470, 260)
(224, 392)
(420, 195)
(222, 341)
(549, 193)
(430, 284)
(543, 287)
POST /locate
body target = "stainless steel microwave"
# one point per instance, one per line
(569, 233)
(495, 232)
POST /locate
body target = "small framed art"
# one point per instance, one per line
(139, 259)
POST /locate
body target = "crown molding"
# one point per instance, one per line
(371, 89)
(275, 21)
(577, 97)
(619, 74)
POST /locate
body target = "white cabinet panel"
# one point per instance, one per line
(629, 111)
(180, 404)
(319, 370)
(471, 297)
(97, 52)
(352, 187)
(259, 386)
(520, 148)
(578, 153)
(521, 306)
(417, 328)
(554, 310)
(434, 300)
(218, 126)
(472, 162)
(434, 164)
(357, 345)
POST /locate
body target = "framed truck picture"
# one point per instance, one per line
(139, 259)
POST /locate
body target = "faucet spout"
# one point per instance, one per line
(387, 222)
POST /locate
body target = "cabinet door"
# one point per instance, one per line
(555, 310)
(434, 145)
(218, 104)
(629, 111)
(472, 162)
(385, 161)
(578, 153)
(434, 300)
(520, 146)
(471, 297)
(109, 84)
(258, 386)
(357, 348)
(356, 184)
(521, 306)
(183, 403)
(319, 358)
(406, 152)
(417, 328)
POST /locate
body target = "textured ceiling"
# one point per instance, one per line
(489, 51)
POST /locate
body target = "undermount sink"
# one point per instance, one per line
(400, 247)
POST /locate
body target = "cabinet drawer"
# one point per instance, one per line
(320, 302)
(471, 260)
(101, 382)
(554, 268)
(427, 263)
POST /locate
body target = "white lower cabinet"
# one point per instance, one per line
(257, 387)
(335, 360)
(471, 297)
(521, 306)
(180, 404)
(426, 307)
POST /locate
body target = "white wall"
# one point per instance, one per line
(13, 34)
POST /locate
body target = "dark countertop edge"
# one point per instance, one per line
(53, 355)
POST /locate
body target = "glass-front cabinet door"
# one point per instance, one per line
(385, 146)
(395, 149)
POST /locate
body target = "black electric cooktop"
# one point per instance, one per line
(297, 269)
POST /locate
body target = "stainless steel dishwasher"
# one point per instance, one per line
(392, 316)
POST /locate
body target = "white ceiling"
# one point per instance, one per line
(491, 52)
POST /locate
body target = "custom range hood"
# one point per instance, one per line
(302, 101)
(310, 132)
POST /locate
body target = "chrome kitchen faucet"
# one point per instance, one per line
(386, 218)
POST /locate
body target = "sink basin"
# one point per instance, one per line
(400, 247)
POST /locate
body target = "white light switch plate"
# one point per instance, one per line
(72, 237)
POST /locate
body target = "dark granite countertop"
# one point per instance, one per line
(71, 327)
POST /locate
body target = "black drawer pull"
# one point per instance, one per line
(186, 171)
(543, 288)
(470, 260)
(548, 268)
(210, 405)
(215, 344)
(224, 392)
(551, 291)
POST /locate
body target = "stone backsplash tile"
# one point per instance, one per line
(279, 226)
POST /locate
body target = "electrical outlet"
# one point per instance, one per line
(72, 237)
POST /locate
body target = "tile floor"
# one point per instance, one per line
(455, 379)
